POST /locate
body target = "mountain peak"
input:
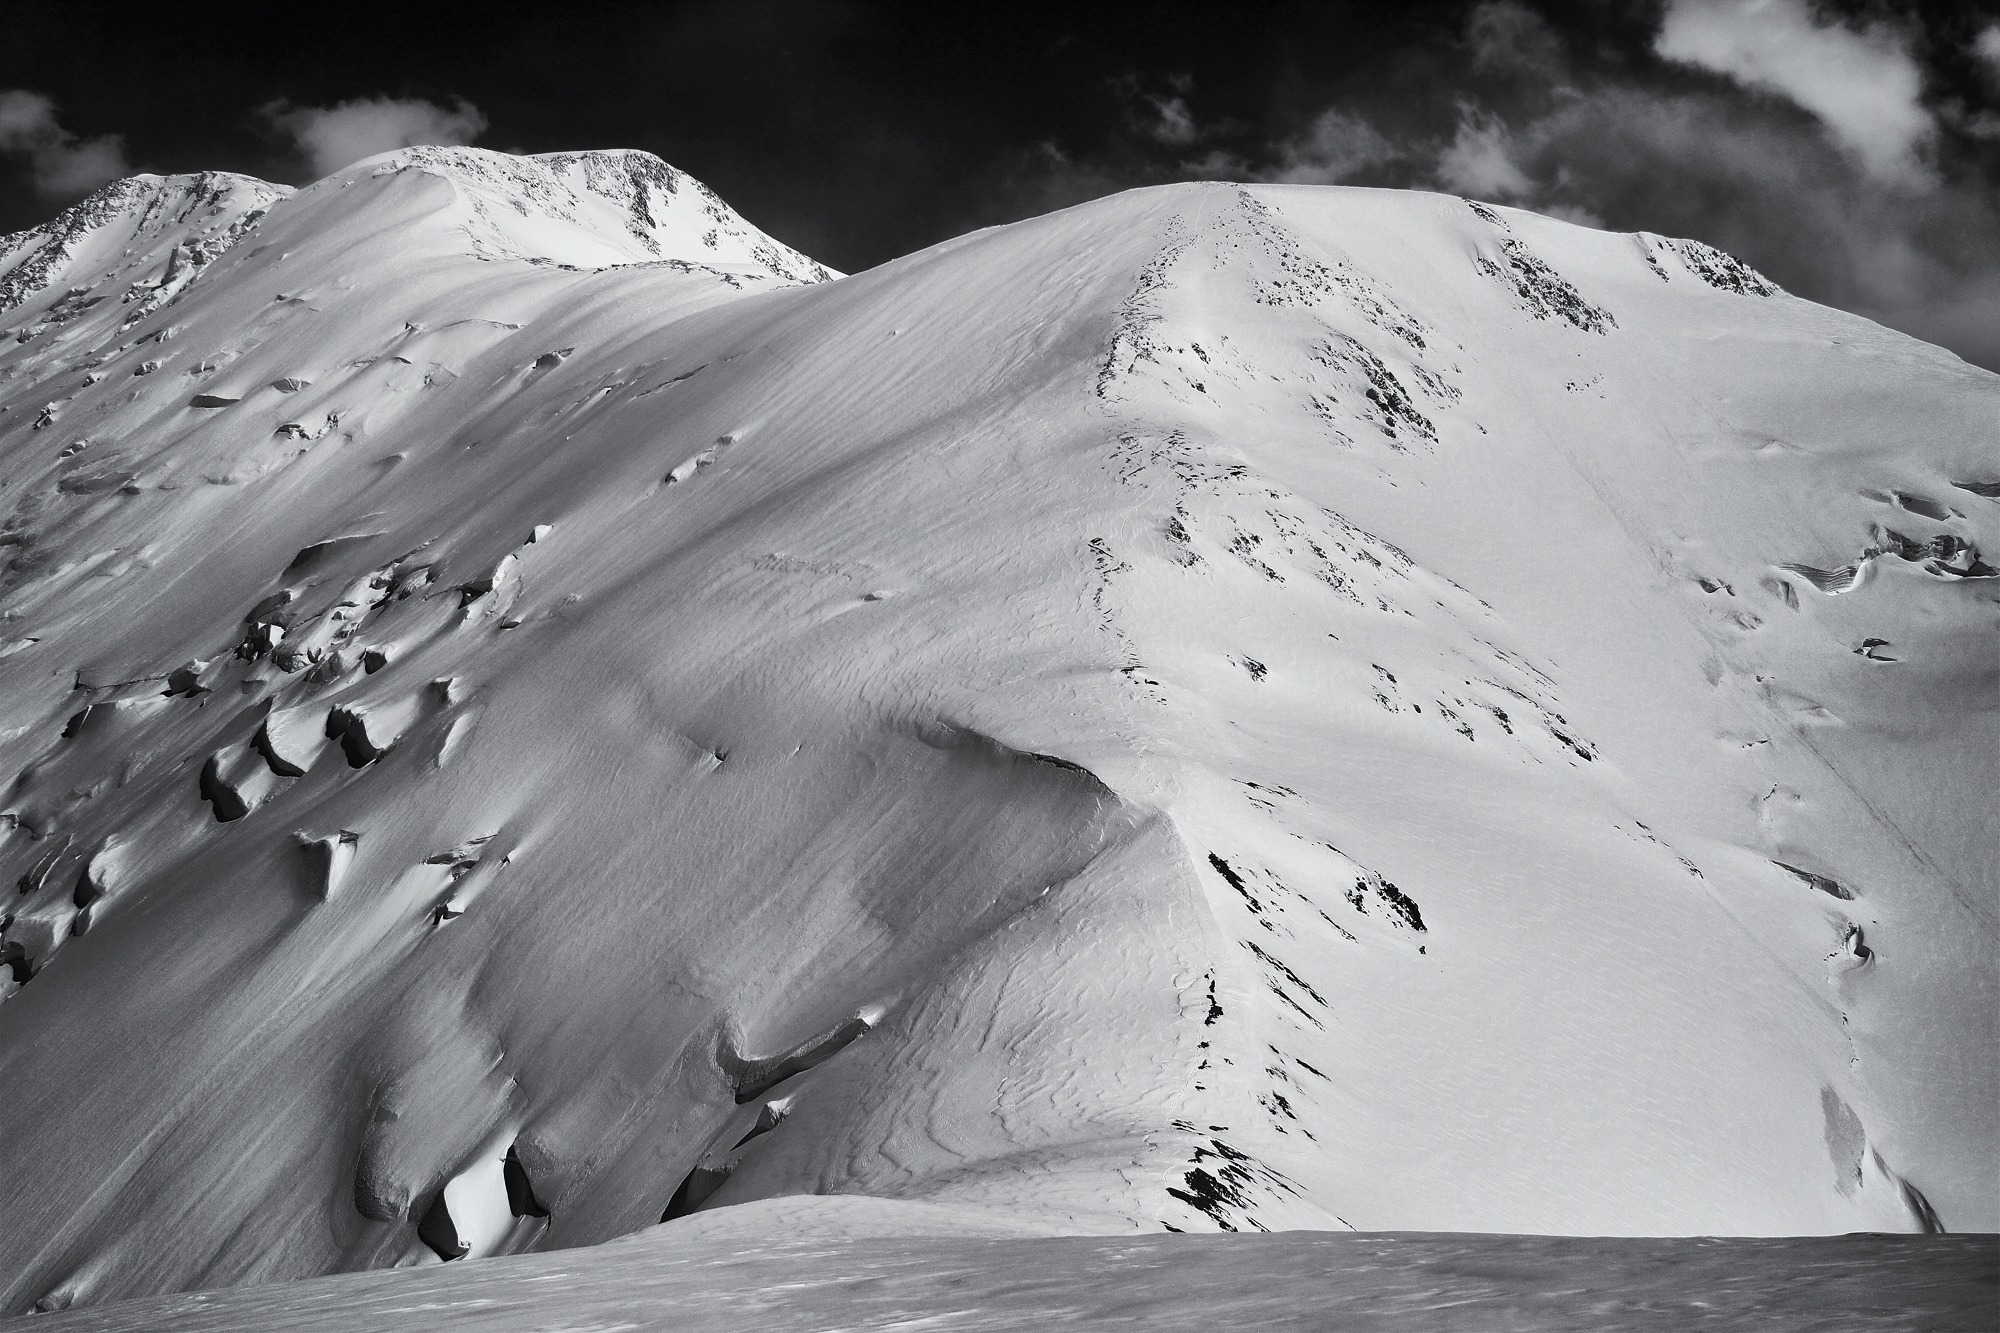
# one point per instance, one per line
(123, 227)
(597, 209)
(141, 240)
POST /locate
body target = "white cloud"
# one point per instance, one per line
(81, 166)
(26, 119)
(1864, 86)
(1336, 146)
(1479, 161)
(1986, 46)
(1165, 118)
(1173, 122)
(1505, 35)
(1577, 213)
(330, 137)
(62, 165)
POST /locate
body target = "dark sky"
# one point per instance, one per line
(1850, 150)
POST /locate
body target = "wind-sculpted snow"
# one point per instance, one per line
(831, 1265)
(1220, 709)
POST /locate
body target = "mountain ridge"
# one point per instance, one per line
(635, 182)
(1243, 707)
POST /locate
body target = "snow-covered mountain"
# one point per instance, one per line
(529, 708)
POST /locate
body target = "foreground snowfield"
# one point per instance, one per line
(537, 708)
(912, 1273)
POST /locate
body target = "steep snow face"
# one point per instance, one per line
(1243, 708)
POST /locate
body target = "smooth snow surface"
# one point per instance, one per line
(1314, 1281)
(1219, 708)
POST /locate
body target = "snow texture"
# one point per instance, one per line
(870, 1264)
(528, 707)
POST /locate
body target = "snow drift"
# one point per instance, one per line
(530, 709)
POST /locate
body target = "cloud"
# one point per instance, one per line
(331, 137)
(1479, 160)
(1986, 47)
(1864, 86)
(1173, 123)
(1043, 178)
(1164, 118)
(26, 119)
(80, 167)
(1337, 146)
(1511, 37)
(62, 165)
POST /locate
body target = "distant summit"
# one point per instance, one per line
(126, 230)
(143, 239)
(593, 210)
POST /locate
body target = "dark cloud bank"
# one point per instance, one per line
(1851, 151)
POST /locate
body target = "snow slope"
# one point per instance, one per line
(670, 1279)
(1251, 708)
